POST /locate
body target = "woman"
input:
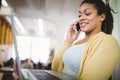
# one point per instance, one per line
(95, 56)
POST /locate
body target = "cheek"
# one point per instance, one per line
(93, 20)
(92, 24)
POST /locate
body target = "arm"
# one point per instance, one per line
(57, 61)
(57, 64)
(101, 64)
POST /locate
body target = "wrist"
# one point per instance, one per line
(69, 41)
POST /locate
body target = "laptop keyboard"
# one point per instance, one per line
(43, 75)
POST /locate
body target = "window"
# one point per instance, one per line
(34, 47)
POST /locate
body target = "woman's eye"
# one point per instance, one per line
(79, 15)
(87, 14)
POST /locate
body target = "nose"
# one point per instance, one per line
(82, 17)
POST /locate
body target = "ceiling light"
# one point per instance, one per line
(4, 3)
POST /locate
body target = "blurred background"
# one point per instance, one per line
(40, 27)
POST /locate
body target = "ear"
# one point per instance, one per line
(102, 17)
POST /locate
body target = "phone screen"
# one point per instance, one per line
(77, 26)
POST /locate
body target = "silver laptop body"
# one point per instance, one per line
(59, 76)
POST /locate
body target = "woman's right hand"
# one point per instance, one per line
(15, 72)
(71, 34)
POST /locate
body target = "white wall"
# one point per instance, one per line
(116, 32)
(62, 13)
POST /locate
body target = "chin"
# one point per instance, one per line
(83, 30)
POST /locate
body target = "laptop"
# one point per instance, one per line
(35, 74)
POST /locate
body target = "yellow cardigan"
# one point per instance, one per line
(99, 59)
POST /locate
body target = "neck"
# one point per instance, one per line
(90, 34)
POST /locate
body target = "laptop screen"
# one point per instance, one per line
(17, 65)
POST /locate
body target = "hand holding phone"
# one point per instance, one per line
(73, 32)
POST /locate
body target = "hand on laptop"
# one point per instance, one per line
(1, 64)
(15, 72)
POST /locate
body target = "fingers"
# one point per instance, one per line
(73, 28)
(72, 32)
(73, 25)
(15, 73)
(15, 76)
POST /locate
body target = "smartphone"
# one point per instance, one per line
(77, 28)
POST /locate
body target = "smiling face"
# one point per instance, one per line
(89, 20)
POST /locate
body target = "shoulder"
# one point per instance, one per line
(110, 44)
(105, 39)
(110, 39)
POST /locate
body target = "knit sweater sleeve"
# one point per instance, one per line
(57, 64)
(102, 61)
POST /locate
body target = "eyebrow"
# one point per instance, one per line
(85, 10)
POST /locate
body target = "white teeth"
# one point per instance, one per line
(83, 24)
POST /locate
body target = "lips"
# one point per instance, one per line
(84, 24)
